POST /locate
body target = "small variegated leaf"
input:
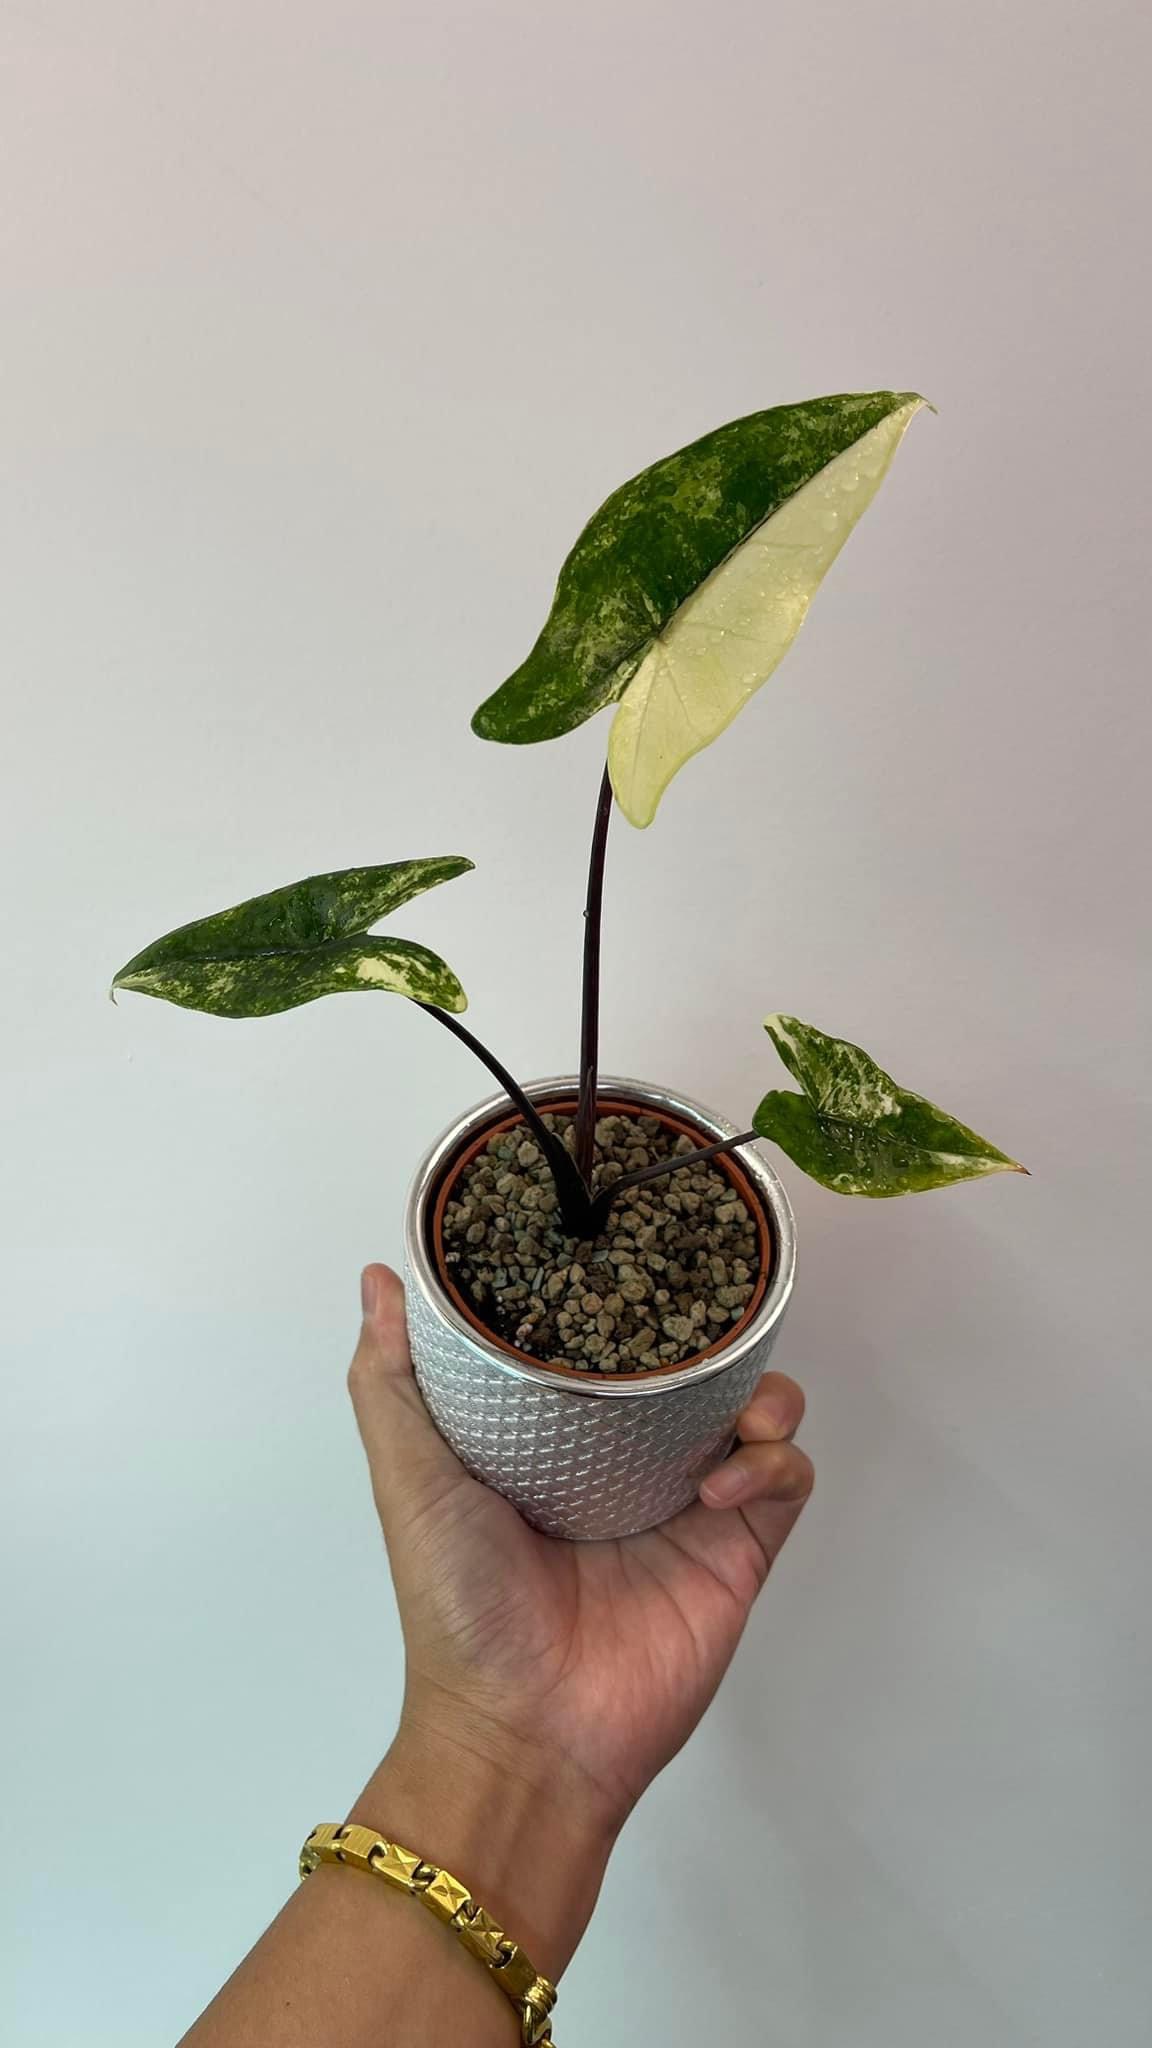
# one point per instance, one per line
(858, 1133)
(292, 945)
(690, 584)
(258, 985)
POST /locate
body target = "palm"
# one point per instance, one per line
(607, 1651)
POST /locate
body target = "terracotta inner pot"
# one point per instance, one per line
(727, 1163)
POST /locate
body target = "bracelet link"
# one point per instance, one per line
(481, 1935)
(356, 1846)
(395, 1865)
(516, 1975)
(445, 1897)
(534, 1995)
(315, 1849)
(536, 2023)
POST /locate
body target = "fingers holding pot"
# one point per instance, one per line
(766, 1466)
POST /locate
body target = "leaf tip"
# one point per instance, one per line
(638, 819)
(780, 1029)
(507, 719)
(999, 1162)
(453, 997)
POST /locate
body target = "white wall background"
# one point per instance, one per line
(322, 330)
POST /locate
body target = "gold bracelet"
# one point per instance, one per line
(363, 1849)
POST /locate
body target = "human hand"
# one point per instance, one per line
(576, 1668)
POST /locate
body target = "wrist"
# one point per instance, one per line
(522, 1840)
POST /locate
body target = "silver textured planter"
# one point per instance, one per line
(581, 1455)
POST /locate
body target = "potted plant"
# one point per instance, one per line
(597, 1268)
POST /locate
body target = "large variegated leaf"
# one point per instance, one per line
(294, 944)
(728, 638)
(690, 584)
(856, 1131)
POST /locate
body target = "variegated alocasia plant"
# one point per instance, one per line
(676, 604)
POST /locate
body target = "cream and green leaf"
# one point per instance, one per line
(688, 587)
(854, 1130)
(294, 944)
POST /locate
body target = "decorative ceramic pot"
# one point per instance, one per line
(583, 1454)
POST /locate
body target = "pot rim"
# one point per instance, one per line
(730, 1165)
(646, 1095)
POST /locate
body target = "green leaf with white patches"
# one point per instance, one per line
(690, 584)
(292, 945)
(856, 1131)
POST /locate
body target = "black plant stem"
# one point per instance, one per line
(571, 1193)
(694, 1158)
(604, 1203)
(585, 1134)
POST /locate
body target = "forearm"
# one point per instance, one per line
(351, 1962)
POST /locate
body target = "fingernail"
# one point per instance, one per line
(724, 1486)
(369, 1293)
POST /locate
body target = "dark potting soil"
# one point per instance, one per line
(675, 1268)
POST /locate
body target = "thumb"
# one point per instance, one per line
(410, 1464)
